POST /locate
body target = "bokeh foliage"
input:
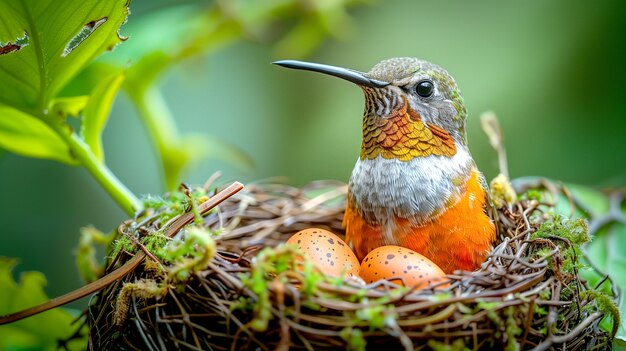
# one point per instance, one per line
(40, 333)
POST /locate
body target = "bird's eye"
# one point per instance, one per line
(425, 88)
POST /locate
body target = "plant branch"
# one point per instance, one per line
(100, 172)
(156, 116)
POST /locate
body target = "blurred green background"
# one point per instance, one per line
(553, 72)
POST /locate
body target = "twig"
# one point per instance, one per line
(552, 340)
(491, 127)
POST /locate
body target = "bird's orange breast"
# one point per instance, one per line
(459, 238)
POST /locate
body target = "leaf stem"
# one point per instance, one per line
(100, 172)
(156, 116)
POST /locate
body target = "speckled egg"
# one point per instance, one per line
(395, 262)
(327, 251)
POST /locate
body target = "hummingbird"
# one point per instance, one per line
(415, 183)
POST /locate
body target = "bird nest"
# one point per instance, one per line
(227, 282)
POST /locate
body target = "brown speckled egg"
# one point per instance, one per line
(395, 262)
(327, 251)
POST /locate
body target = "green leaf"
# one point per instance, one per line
(54, 39)
(218, 149)
(163, 38)
(594, 201)
(145, 72)
(69, 106)
(97, 112)
(619, 345)
(28, 136)
(607, 252)
(39, 332)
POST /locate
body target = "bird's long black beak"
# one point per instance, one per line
(344, 73)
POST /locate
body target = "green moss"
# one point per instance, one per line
(175, 203)
(267, 268)
(456, 345)
(512, 329)
(544, 253)
(605, 304)
(155, 242)
(165, 207)
(575, 230)
(540, 311)
(490, 308)
(533, 194)
(143, 289)
(354, 339)
(311, 277)
(568, 235)
(186, 256)
(122, 244)
(376, 317)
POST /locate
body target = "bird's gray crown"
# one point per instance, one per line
(399, 68)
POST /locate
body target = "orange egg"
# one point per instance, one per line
(327, 251)
(395, 262)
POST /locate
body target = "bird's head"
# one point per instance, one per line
(413, 108)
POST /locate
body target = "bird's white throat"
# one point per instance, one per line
(418, 190)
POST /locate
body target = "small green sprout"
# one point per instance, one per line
(189, 255)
